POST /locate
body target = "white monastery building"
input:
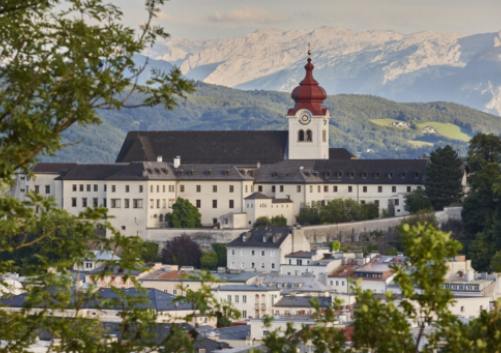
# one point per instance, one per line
(233, 177)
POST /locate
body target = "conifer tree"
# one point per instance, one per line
(444, 175)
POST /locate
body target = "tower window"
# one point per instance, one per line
(324, 135)
(300, 135)
(309, 136)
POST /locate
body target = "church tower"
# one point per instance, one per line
(309, 119)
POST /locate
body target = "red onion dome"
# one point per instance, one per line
(309, 94)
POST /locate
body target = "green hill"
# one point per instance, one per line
(363, 124)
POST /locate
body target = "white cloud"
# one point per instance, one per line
(244, 16)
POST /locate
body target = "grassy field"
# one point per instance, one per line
(446, 130)
(418, 144)
(383, 122)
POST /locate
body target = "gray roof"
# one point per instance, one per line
(292, 301)
(235, 332)
(301, 254)
(246, 288)
(258, 196)
(154, 171)
(107, 298)
(340, 153)
(352, 171)
(262, 237)
(226, 147)
(52, 168)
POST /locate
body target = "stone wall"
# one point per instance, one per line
(345, 232)
(204, 237)
(352, 231)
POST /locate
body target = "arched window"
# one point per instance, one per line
(161, 218)
(309, 136)
(324, 135)
(300, 135)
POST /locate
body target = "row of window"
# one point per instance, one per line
(153, 188)
(95, 187)
(231, 203)
(114, 203)
(47, 189)
(335, 188)
(307, 136)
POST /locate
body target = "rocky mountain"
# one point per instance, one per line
(415, 67)
(369, 126)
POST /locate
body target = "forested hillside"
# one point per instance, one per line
(366, 125)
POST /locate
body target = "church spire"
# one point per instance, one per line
(309, 94)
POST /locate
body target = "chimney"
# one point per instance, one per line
(177, 162)
(160, 159)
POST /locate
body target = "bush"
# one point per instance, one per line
(182, 251)
(209, 260)
(278, 221)
(262, 222)
(220, 250)
(417, 201)
(150, 252)
(337, 211)
(184, 215)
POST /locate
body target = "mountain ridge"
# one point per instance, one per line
(353, 123)
(417, 67)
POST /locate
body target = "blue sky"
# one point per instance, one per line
(196, 19)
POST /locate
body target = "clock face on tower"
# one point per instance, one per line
(304, 117)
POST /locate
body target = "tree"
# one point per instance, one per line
(384, 324)
(336, 211)
(184, 215)
(417, 201)
(150, 252)
(444, 175)
(182, 251)
(60, 62)
(209, 260)
(262, 222)
(482, 205)
(220, 250)
(335, 246)
(278, 221)
(495, 264)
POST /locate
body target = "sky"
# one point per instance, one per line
(204, 19)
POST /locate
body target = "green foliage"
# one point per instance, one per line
(417, 201)
(220, 250)
(206, 304)
(335, 246)
(150, 252)
(386, 324)
(380, 326)
(184, 215)
(482, 206)
(495, 264)
(209, 260)
(262, 222)
(278, 221)
(61, 61)
(443, 179)
(337, 211)
(181, 251)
